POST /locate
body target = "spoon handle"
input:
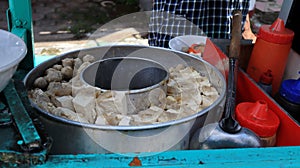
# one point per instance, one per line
(229, 124)
(236, 35)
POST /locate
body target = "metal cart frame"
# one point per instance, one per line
(19, 18)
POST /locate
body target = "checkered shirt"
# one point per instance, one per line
(171, 18)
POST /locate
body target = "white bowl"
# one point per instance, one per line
(13, 50)
(177, 43)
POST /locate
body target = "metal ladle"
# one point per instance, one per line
(227, 133)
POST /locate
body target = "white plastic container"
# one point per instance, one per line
(177, 43)
(13, 50)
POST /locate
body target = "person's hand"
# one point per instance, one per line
(247, 33)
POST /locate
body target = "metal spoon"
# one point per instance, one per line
(228, 133)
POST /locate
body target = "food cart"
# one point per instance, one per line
(21, 129)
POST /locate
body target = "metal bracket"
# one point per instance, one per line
(5, 119)
(19, 18)
(8, 18)
(23, 138)
(22, 120)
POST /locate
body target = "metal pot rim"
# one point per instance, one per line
(132, 128)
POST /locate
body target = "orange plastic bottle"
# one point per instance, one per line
(271, 51)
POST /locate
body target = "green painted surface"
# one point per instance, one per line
(247, 157)
(20, 32)
(5, 118)
(19, 17)
(21, 118)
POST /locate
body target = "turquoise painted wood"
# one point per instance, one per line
(247, 157)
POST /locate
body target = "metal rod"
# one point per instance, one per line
(285, 10)
(19, 17)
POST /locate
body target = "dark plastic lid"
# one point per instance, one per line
(276, 33)
(290, 90)
(257, 117)
(266, 78)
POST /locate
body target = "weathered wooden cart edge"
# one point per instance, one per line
(246, 157)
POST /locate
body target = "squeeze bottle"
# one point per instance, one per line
(288, 97)
(271, 51)
(265, 81)
(257, 117)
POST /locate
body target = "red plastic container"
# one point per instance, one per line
(271, 51)
(249, 91)
(257, 117)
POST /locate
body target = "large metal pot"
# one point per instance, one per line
(75, 137)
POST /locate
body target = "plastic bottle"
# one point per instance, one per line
(257, 117)
(288, 97)
(271, 51)
(292, 69)
(265, 81)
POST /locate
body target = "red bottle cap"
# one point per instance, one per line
(276, 33)
(266, 78)
(258, 118)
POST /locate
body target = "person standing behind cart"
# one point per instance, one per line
(171, 18)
